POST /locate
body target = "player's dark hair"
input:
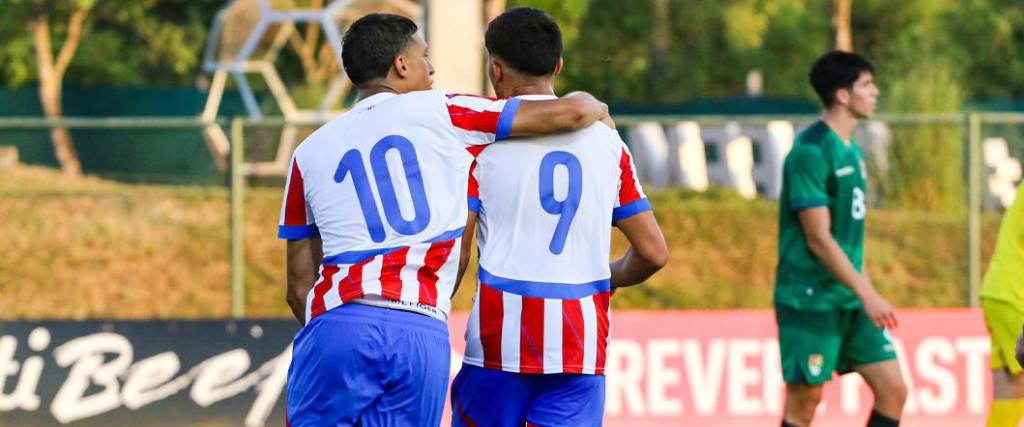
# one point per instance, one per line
(372, 43)
(837, 70)
(527, 39)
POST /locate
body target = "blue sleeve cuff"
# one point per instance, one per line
(296, 232)
(637, 206)
(508, 113)
(474, 204)
(807, 203)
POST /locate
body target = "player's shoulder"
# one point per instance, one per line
(420, 100)
(606, 137)
(595, 134)
(602, 131)
(812, 141)
(469, 101)
(468, 97)
(817, 134)
(804, 153)
(331, 132)
(596, 138)
(807, 156)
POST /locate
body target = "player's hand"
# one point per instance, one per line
(595, 110)
(879, 310)
(607, 120)
(605, 117)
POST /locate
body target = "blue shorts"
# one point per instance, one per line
(484, 397)
(369, 366)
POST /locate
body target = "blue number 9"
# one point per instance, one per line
(565, 209)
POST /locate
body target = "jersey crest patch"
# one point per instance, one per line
(815, 363)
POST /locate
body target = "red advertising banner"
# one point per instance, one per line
(721, 368)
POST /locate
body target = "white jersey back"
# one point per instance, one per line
(384, 186)
(546, 208)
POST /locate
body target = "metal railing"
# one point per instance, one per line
(970, 123)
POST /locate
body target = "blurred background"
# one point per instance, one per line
(147, 90)
(143, 143)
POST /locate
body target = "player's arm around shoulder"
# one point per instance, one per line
(573, 111)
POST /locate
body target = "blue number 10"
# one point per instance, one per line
(565, 209)
(352, 164)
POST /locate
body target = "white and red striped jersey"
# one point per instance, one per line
(546, 207)
(384, 186)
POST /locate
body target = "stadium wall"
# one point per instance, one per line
(666, 368)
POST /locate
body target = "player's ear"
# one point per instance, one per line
(399, 65)
(495, 71)
(842, 96)
(558, 67)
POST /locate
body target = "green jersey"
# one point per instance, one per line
(820, 171)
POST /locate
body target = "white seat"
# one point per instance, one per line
(650, 153)
(687, 159)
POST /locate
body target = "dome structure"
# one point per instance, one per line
(247, 38)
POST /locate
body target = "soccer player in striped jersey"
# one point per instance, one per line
(537, 337)
(374, 205)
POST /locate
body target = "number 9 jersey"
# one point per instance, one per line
(545, 211)
(384, 186)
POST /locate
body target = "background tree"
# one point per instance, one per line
(50, 43)
(920, 70)
(844, 36)
(54, 25)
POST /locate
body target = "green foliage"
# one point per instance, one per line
(17, 53)
(919, 71)
(926, 161)
(641, 52)
(155, 42)
(712, 44)
(670, 51)
(610, 57)
(568, 14)
(992, 32)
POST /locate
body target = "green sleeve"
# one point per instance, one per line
(806, 172)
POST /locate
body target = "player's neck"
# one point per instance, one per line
(841, 121)
(372, 89)
(530, 88)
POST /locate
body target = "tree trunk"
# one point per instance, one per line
(844, 35)
(661, 48)
(63, 145)
(51, 76)
(492, 9)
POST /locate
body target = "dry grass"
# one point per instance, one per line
(87, 248)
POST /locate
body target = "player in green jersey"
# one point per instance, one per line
(1002, 300)
(830, 317)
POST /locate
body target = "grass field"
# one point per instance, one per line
(87, 248)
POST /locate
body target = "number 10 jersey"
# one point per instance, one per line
(545, 211)
(384, 186)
